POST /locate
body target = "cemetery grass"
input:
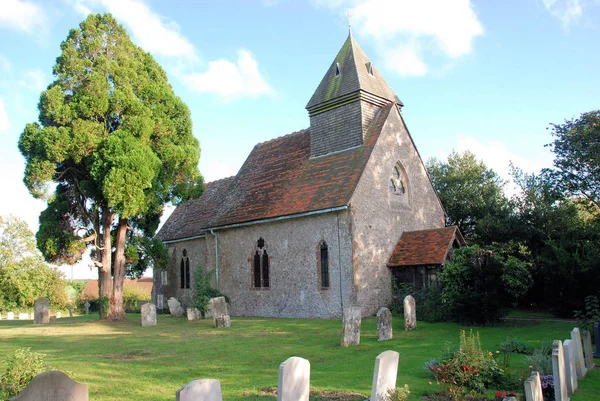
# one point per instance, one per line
(125, 361)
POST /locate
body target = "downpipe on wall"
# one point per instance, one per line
(216, 256)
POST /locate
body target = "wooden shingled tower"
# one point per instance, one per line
(346, 101)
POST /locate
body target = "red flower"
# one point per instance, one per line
(464, 368)
(498, 394)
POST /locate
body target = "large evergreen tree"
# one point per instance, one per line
(114, 143)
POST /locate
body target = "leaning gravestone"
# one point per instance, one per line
(87, 307)
(200, 390)
(193, 314)
(384, 376)
(41, 311)
(294, 380)
(410, 313)
(384, 324)
(148, 314)
(587, 350)
(580, 362)
(533, 388)
(175, 308)
(220, 312)
(559, 372)
(10, 316)
(351, 326)
(570, 365)
(53, 385)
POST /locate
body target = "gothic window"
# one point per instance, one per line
(184, 270)
(397, 183)
(324, 265)
(260, 266)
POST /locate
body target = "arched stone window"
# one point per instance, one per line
(398, 181)
(260, 266)
(323, 265)
(184, 271)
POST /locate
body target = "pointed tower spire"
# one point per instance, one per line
(346, 101)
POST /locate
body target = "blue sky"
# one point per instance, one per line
(489, 76)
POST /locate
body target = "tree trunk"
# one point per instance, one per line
(117, 311)
(104, 273)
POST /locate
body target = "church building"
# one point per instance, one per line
(315, 221)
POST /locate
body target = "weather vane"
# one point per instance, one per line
(349, 16)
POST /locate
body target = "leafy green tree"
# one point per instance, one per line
(116, 144)
(24, 276)
(577, 156)
(472, 195)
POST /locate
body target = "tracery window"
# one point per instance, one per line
(397, 183)
(260, 266)
(323, 265)
(184, 270)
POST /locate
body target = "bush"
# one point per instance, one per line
(133, 294)
(540, 360)
(21, 367)
(428, 301)
(590, 314)
(203, 289)
(398, 394)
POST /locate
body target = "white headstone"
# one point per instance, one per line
(175, 307)
(385, 374)
(58, 315)
(41, 311)
(570, 365)
(384, 324)
(31, 316)
(200, 390)
(533, 388)
(148, 314)
(53, 385)
(588, 353)
(23, 316)
(580, 362)
(559, 372)
(10, 316)
(294, 380)
(351, 326)
(410, 313)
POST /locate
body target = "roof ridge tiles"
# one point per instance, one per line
(302, 131)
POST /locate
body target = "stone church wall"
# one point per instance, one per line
(379, 216)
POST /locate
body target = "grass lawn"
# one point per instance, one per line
(128, 362)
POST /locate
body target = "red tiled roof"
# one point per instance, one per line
(425, 247)
(277, 179)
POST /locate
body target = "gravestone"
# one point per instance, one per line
(10, 316)
(580, 362)
(351, 326)
(384, 324)
(58, 315)
(294, 380)
(559, 372)
(597, 339)
(53, 385)
(87, 307)
(384, 375)
(148, 315)
(52, 319)
(533, 388)
(23, 316)
(193, 314)
(209, 313)
(70, 309)
(410, 313)
(570, 365)
(587, 350)
(220, 312)
(41, 311)
(31, 316)
(175, 308)
(200, 390)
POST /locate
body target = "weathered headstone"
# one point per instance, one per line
(384, 324)
(175, 308)
(533, 388)
(597, 339)
(70, 309)
(193, 314)
(570, 365)
(53, 385)
(351, 326)
(410, 313)
(10, 316)
(200, 390)
(220, 312)
(209, 313)
(559, 372)
(41, 311)
(294, 380)
(23, 316)
(148, 314)
(587, 350)
(580, 362)
(385, 374)
(87, 307)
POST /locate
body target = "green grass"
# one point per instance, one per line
(128, 362)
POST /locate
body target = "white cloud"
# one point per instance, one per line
(230, 80)
(4, 123)
(568, 11)
(34, 80)
(411, 31)
(22, 15)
